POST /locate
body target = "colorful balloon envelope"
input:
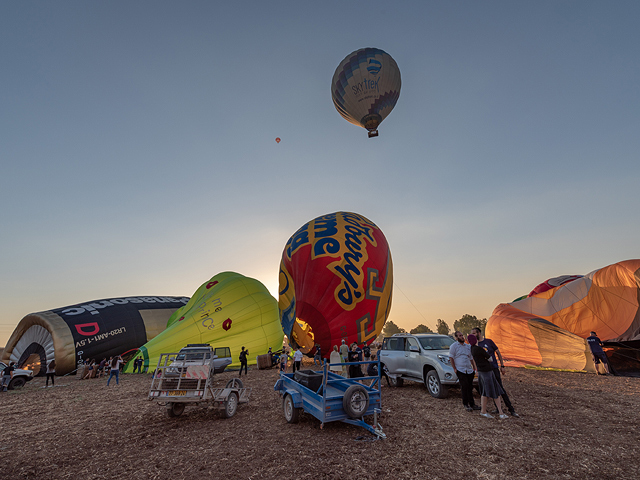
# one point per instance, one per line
(230, 310)
(549, 328)
(365, 87)
(336, 279)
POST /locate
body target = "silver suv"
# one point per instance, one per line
(420, 358)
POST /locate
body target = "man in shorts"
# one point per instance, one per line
(598, 353)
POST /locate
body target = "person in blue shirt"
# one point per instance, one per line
(492, 349)
(598, 353)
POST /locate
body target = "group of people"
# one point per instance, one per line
(93, 370)
(350, 354)
(480, 355)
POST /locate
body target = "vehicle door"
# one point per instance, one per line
(392, 354)
(413, 360)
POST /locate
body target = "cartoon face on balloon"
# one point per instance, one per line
(336, 279)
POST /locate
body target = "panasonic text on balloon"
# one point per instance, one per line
(93, 307)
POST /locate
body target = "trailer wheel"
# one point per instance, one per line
(355, 401)
(235, 383)
(175, 409)
(291, 413)
(230, 405)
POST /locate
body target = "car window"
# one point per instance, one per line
(411, 342)
(436, 342)
(396, 343)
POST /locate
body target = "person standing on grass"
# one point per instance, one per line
(297, 359)
(51, 373)
(489, 386)
(115, 369)
(598, 353)
(7, 375)
(492, 349)
(464, 366)
(317, 356)
(243, 362)
(284, 358)
(335, 360)
(92, 365)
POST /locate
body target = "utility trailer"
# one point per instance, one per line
(177, 385)
(331, 397)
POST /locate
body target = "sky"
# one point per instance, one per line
(138, 153)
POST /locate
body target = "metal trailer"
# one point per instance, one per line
(179, 386)
(336, 399)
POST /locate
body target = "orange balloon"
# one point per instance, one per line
(277, 139)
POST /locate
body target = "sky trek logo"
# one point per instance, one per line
(367, 85)
(374, 67)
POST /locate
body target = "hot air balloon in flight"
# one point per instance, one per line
(336, 279)
(277, 139)
(230, 310)
(365, 88)
(548, 328)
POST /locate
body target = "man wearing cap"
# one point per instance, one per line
(598, 353)
(492, 349)
(464, 366)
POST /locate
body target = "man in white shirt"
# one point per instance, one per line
(465, 368)
(297, 359)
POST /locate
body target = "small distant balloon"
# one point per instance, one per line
(277, 139)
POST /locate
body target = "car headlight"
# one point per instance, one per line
(444, 359)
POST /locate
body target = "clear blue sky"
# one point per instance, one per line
(137, 151)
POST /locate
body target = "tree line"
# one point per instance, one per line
(463, 324)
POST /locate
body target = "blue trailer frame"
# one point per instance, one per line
(327, 404)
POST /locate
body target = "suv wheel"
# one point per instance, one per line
(392, 382)
(435, 388)
(17, 382)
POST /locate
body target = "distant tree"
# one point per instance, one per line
(421, 329)
(442, 328)
(390, 328)
(467, 322)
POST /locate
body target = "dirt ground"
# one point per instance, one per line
(572, 426)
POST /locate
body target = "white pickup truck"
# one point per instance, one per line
(20, 377)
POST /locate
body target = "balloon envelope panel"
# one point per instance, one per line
(336, 279)
(229, 310)
(366, 86)
(549, 328)
(90, 330)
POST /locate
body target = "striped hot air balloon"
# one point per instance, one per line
(365, 88)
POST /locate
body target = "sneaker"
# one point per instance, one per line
(503, 416)
(476, 407)
(469, 409)
(487, 415)
(514, 414)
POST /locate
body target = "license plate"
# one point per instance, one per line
(177, 393)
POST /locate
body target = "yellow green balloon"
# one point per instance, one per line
(230, 310)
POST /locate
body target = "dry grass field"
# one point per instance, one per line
(572, 426)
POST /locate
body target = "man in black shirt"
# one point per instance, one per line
(243, 362)
(7, 375)
(598, 353)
